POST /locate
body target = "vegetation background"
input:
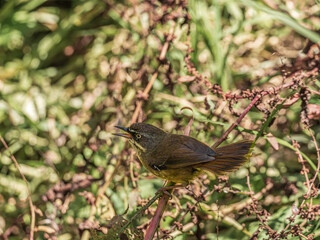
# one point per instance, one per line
(72, 70)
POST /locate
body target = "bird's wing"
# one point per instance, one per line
(186, 151)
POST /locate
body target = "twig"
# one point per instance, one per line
(101, 192)
(163, 201)
(103, 189)
(259, 94)
(271, 232)
(209, 210)
(177, 223)
(318, 158)
(152, 200)
(315, 92)
(302, 161)
(225, 135)
(33, 215)
(185, 228)
(310, 183)
(157, 217)
(146, 91)
(188, 128)
(240, 205)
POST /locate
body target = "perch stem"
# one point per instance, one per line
(158, 214)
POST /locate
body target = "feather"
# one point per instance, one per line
(229, 158)
(184, 151)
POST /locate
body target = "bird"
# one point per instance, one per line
(180, 158)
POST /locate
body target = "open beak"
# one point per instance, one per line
(126, 135)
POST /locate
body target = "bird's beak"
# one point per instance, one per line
(126, 135)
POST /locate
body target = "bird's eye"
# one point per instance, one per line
(138, 136)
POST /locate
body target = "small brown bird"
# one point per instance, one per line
(181, 158)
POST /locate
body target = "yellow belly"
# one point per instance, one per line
(182, 175)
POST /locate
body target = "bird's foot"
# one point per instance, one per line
(165, 190)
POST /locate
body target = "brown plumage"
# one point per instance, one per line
(229, 158)
(180, 158)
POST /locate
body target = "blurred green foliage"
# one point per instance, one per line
(71, 70)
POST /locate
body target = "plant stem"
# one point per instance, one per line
(157, 216)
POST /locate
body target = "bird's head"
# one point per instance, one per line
(142, 136)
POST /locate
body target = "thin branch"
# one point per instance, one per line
(33, 215)
(220, 217)
(258, 96)
(225, 135)
(254, 208)
(146, 91)
(142, 210)
(302, 161)
(178, 223)
(153, 226)
(101, 191)
(318, 158)
(240, 205)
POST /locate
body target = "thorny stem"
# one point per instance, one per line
(33, 215)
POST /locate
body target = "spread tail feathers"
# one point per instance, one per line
(229, 158)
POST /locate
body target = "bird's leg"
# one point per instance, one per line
(165, 189)
(172, 187)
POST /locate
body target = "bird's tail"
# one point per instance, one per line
(229, 158)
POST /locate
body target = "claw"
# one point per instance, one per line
(164, 190)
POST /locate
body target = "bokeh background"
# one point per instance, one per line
(71, 70)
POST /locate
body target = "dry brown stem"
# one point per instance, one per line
(146, 91)
(32, 209)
